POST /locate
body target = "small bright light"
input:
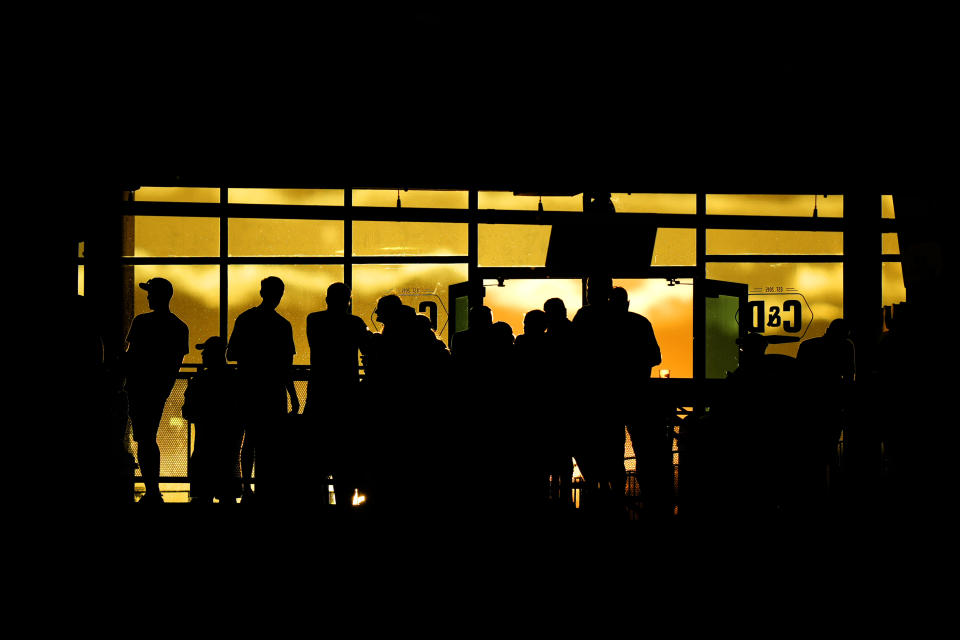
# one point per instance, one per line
(357, 498)
(664, 373)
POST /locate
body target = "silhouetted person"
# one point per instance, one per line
(95, 394)
(469, 347)
(263, 348)
(211, 403)
(645, 417)
(156, 344)
(387, 366)
(336, 338)
(829, 366)
(756, 459)
(599, 434)
(561, 383)
(532, 429)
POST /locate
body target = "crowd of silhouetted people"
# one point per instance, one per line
(489, 427)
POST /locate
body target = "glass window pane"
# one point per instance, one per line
(196, 298)
(257, 237)
(373, 238)
(412, 198)
(80, 248)
(169, 236)
(654, 202)
(743, 242)
(893, 289)
(314, 197)
(512, 245)
(305, 290)
(675, 248)
(670, 310)
(891, 244)
(799, 299)
(177, 194)
(511, 302)
(886, 207)
(506, 200)
(774, 205)
(416, 284)
(80, 279)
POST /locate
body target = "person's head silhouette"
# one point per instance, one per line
(598, 289)
(555, 310)
(338, 297)
(619, 299)
(481, 317)
(839, 329)
(752, 348)
(159, 291)
(388, 309)
(534, 322)
(271, 290)
(213, 352)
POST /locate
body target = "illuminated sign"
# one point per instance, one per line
(778, 311)
(426, 302)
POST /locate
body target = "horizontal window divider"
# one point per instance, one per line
(890, 257)
(266, 260)
(777, 257)
(157, 260)
(177, 209)
(409, 259)
(520, 273)
(307, 260)
(483, 216)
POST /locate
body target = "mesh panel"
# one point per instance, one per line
(172, 436)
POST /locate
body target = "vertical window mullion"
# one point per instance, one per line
(224, 252)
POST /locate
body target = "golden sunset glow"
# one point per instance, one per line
(428, 257)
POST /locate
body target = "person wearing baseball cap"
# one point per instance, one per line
(210, 403)
(156, 344)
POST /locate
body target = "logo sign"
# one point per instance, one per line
(778, 311)
(426, 302)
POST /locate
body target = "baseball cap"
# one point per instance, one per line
(158, 285)
(214, 342)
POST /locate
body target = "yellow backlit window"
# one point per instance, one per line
(892, 287)
(313, 197)
(255, 237)
(421, 286)
(743, 242)
(654, 202)
(675, 248)
(372, 238)
(196, 298)
(774, 205)
(809, 293)
(305, 290)
(167, 236)
(506, 200)
(512, 245)
(411, 198)
(890, 244)
(886, 207)
(177, 194)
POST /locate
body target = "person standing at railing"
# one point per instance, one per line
(560, 383)
(336, 337)
(645, 419)
(263, 348)
(211, 404)
(156, 344)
